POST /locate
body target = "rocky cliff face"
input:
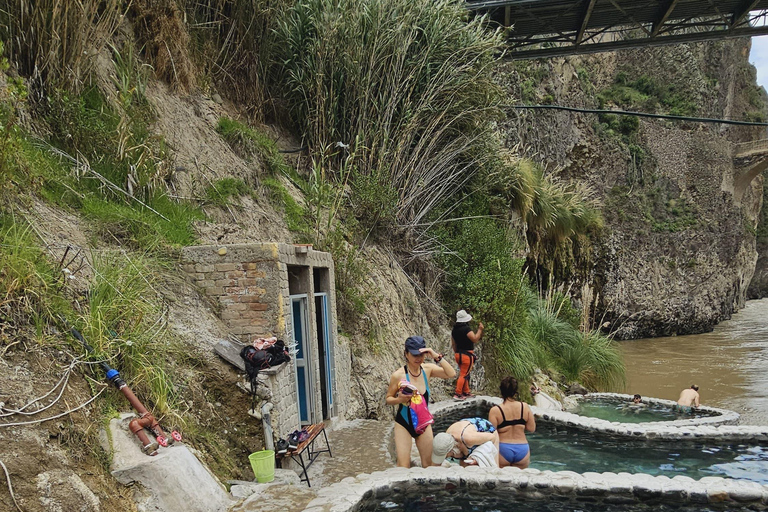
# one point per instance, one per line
(678, 250)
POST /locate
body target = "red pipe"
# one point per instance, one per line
(145, 420)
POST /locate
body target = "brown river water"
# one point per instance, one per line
(730, 364)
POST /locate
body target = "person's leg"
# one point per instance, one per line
(424, 445)
(464, 362)
(523, 463)
(403, 446)
(470, 364)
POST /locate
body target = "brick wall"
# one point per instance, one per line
(250, 287)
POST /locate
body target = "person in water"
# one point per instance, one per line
(463, 341)
(512, 420)
(417, 373)
(689, 398)
(637, 399)
(465, 437)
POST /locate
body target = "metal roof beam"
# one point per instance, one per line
(636, 43)
(664, 15)
(585, 21)
(742, 11)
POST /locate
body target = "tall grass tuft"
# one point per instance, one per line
(162, 32)
(403, 85)
(228, 35)
(54, 42)
(123, 321)
(28, 283)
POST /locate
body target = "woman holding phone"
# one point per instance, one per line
(416, 374)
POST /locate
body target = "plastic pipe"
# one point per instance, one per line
(266, 422)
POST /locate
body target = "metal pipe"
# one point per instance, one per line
(269, 442)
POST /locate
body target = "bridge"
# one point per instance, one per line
(550, 28)
(750, 159)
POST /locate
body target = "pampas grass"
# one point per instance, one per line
(54, 42)
(406, 84)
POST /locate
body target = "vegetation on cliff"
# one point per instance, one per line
(397, 103)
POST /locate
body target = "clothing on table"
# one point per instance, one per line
(513, 452)
(403, 415)
(507, 423)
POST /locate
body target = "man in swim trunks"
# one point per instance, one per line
(689, 398)
(467, 435)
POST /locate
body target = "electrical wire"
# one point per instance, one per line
(10, 487)
(638, 114)
(64, 378)
(32, 422)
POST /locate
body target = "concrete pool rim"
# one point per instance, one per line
(352, 493)
(715, 428)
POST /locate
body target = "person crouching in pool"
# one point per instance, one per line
(466, 437)
(417, 373)
(512, 419)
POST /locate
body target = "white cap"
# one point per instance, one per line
(441, 445)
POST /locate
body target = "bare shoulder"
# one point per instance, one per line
(398, 374)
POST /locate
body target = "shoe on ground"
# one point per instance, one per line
(458, 398)
(468, 395)
(282, 447)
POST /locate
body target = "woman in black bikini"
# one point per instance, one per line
(417, 373)
(512, 419)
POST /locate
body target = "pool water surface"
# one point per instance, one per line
(558, 449)
(501, 501)
(627, 412)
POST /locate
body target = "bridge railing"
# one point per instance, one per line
(753, 145)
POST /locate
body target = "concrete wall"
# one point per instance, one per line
(250, 287)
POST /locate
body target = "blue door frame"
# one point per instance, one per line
(303, 359)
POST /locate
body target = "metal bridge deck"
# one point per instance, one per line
(583, 26)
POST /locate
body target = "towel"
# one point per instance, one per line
(485, 455)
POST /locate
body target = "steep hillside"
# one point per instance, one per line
(678, 251)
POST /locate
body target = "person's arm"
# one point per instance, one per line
(475, 438)
(442, 368)
(494, 416)
(453, 344)
(696, 401)
(474, 337)
(530, 422)
(393, 395)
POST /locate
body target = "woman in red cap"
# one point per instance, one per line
(413, 379)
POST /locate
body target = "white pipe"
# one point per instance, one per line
(269, 442)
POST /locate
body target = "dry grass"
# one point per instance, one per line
(160, 28)
(54, 41)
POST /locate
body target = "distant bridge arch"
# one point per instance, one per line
(550, 28)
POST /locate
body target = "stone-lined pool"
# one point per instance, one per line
(559, 447)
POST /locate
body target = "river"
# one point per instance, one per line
(730, 364)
